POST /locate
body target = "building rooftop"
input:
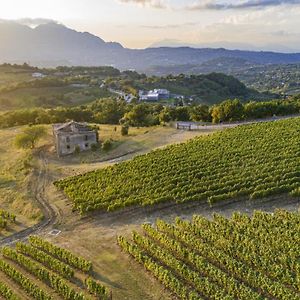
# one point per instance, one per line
(71, 127)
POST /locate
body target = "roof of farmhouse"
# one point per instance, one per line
(72, 127)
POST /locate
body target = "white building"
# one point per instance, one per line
(38, 75)
(154, 95)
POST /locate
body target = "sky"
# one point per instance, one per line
(242, 24)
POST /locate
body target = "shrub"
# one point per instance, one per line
(106, 145)
(124, 130)
(94, 147)
(77, 150)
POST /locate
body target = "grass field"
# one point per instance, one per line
(49, 97)
(9, 75)
(16, 175)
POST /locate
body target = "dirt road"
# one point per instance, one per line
(49, 213)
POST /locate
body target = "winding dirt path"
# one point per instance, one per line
(50, 213)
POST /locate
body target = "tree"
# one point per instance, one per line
(29, 137)
(165, 116)
(200, 113)
(182, 113)
(229, 110)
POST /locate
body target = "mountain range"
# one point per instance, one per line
(53, 44)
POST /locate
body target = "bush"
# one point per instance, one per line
(77, 150)
(106, 145)
(124, 130)
(94, 147)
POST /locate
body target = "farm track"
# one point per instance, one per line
(49, 213)
(52, 215)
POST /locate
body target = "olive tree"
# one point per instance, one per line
(29, 137)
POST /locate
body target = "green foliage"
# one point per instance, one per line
(94, 147)
(163, 274)
(257, 160)
(230, 110)
(51, 279)
(97, 289)
(5, 218)
(31, 288)
(29, 137)
(200, 113)
(165, 116)
(106, 145)
(7, 293)
(239, 258)
(110, 111)
(124, 130)
(62, 254)
(53, 263)
(209, 89)
(141, 115)
(77, 150)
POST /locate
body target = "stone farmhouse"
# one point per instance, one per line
(72, 136)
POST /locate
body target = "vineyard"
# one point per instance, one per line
(238, 258)
(65, 275)
(253, 161)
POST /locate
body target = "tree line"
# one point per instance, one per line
(116, 111)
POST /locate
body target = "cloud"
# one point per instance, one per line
(214, 5)
(149, 3)
(170, 26)
(34, 22)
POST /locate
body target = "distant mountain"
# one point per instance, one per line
(54, 44)
(171, 43)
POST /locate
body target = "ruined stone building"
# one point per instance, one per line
(73, 136)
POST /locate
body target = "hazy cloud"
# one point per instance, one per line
(29, 21)
(151, 3)
(170, 26)
(214, 5)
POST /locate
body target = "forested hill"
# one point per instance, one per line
(207, 89)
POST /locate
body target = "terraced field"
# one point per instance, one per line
(238, 258)
(43, 271)
(253, 161)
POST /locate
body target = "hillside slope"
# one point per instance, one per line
(253, 161)
(209, 89)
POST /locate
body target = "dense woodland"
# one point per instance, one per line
(116, 111)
